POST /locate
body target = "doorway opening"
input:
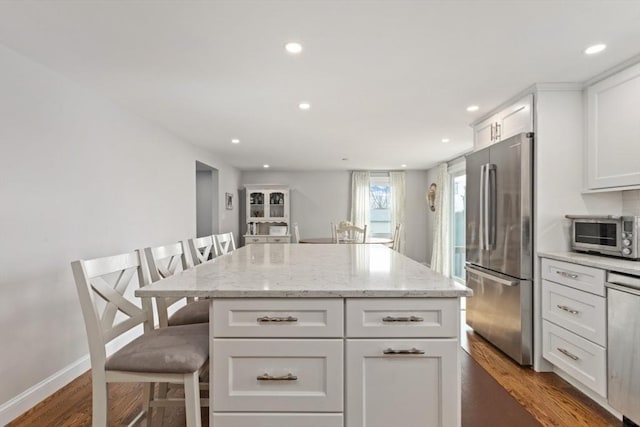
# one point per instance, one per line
(206, 200)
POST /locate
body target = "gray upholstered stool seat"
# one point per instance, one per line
(193, 312)
(176, 349)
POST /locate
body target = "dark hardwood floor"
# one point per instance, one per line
(496, 392)
(546, 396)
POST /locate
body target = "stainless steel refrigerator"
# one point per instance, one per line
(499, 248)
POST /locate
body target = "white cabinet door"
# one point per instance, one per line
(277, 205)
(613, 131)
(274, 375)
(408, 390)
(516, 119)
(580, 312)
(402, 318)
(483, 134)
(580, 358)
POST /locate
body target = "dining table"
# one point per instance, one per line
(329, 240)
(319, 335)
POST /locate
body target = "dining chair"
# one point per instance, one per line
(178, 354)
(296, 233)
(396, 238)
(350, 234)
(202, 249)
(165, 261)
(225, 243)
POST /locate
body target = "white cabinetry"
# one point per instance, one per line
(515, 119)
(574, 321)
(294, 362)
(613, 131)
(267, 206)
(402, 371)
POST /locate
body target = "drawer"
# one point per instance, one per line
(577, 311)
(581, 359)
(255, 239)
(278, 239)
(278, 317)
(581, 277)
(277, 375)
(408, 317)
(276, 420)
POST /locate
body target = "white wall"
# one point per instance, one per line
(319, 198)
(81, 178)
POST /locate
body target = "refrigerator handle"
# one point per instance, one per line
(490, 201)
(480, 273)
(481, 229)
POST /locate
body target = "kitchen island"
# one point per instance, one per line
(327, 336)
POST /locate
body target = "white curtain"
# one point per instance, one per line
(440, 257)
(360, 198)
(398, 191)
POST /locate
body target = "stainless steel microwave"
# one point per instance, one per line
(606, 234)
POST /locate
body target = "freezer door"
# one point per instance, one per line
(475, 213)
(510, 201)
(500, 311)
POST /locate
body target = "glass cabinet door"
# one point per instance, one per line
(256, 204)
(276, 204)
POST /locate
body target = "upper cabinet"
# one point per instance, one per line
(613, 131)
(515, 119)
(267, 204)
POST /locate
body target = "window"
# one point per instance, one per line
(379, 206)
(458, 224)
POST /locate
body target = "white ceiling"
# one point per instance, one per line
(387, 80)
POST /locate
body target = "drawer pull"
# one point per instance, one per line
(568, 354)
(565, 274)
(403, 319)
(265, 319)
(267, 377)
(411, 351)
(567, 309)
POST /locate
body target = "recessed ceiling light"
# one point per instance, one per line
(304, 106)
(445, 140)
(293, 48)
(471, 108)
(596, 48)
(265, 166)
(344, 159)
(235, 141)
(403, 165)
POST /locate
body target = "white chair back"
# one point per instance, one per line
(202, 249)
(162, 262)
(225, 243)
(351, 234)
(101, 285)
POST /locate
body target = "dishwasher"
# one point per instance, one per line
(623, 315)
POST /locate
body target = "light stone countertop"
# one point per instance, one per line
(598, 261)
(311, 271)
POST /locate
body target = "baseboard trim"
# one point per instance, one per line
(26, 400)
(35, 394)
